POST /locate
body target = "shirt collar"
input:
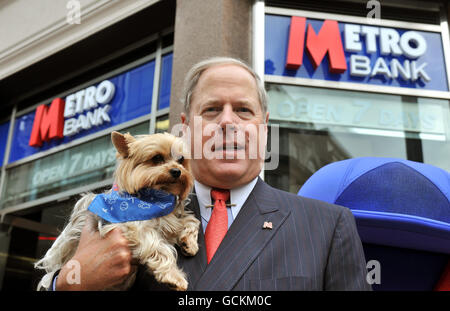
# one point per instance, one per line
(238, 196)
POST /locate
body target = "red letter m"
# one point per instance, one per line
(317, 45)
(48, 123)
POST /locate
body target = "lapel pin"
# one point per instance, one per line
(228, 205)
(267, 225)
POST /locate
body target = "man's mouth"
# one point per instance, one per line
(228, 147)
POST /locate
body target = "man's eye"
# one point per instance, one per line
(243, 111)
(211, 109)
(157, 159)
(180, 160)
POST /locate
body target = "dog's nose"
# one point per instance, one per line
(175, 172)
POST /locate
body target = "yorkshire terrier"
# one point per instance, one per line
(149, 167)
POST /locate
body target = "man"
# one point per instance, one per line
(270, 239)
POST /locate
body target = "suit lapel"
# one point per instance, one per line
(196, 265)
(243, 242)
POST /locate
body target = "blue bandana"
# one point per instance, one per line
(118, 207)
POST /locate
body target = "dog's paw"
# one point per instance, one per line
(180, 286)
(176, 281)
(188, 242)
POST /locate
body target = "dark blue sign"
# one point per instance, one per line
(132, 99)
(374, 55)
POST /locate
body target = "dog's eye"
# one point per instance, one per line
(157, 159)
(180, 160)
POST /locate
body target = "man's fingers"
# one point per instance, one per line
(115, 233)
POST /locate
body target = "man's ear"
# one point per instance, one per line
(183, 118)
(121, 141)
(266, 123)
(185, 123)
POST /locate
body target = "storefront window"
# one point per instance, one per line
(162, 124)
(4, 127)
(166, 78)
(319, 126)
(82, 165)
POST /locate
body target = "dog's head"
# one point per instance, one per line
(152, 161)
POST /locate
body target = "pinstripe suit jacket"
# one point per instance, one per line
(312, 245)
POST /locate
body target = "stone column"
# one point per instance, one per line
(204, 29)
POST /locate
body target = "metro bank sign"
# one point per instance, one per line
(80, 111)
(116, 102)
(330, 50)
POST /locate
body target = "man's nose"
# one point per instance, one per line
(227, 117)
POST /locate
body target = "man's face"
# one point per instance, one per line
(225, 105)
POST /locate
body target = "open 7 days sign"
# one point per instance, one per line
(331, 50)
(80, 111)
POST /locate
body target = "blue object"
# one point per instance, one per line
(395, 202)
(118, 207)
(402, 212)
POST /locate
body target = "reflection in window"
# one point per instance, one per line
(85, 164)
(162, 124)
(320, 126)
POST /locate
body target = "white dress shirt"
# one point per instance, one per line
(238, 196)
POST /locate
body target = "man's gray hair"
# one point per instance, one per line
(196, 71)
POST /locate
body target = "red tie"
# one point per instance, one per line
(218, 223)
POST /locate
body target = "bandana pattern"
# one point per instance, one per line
(117, 207)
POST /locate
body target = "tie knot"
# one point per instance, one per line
(220, 194)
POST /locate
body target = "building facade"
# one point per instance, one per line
(345, 79)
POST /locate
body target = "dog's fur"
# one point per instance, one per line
(144, 161)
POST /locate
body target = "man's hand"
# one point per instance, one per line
(103, 262)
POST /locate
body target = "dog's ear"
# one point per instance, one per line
(121, 141)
